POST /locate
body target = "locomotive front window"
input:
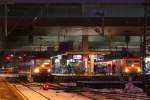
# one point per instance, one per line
(132, 61)
(129, 61)
(136, 61)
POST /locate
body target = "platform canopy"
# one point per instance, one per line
(73, 1)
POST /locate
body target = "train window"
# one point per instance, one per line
(136, 61)
(133, 61)
(129, 61)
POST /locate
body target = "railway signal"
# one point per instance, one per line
(45, 86)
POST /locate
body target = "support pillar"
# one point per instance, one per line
(92, 64)
(85, 49)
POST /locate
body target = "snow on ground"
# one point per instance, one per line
(61, 95)
(31, 95)
(85, 94)
(55, 94)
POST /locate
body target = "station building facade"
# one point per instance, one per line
(103, 25)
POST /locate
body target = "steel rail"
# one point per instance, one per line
(123, 95)
(32, 89)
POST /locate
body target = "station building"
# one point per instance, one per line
(79, 27)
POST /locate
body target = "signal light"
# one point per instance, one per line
(45, 86)
(7, 58)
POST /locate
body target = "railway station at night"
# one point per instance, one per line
(76, 49)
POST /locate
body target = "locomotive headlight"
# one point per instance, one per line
(139, 70)
(126, 70)
(49, 70)
(132, 65)
(36, 70)
(43, 66)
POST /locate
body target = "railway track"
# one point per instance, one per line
(95, 91)
(123, 95)
(127, 96)
(24, 84)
